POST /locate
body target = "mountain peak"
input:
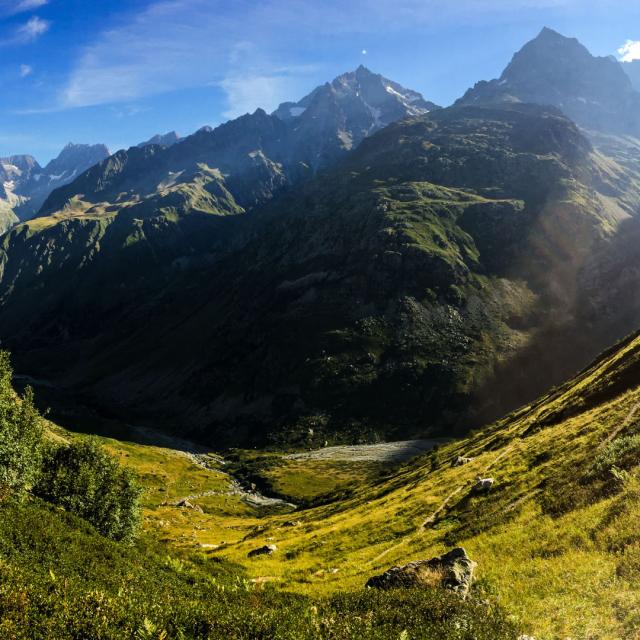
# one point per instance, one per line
(547, 32)
(362, 70)
(556, 70)
(76, 158)
(379, 100)
(164, 140)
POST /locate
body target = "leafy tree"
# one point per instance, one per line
(20, 435)
(86, 481)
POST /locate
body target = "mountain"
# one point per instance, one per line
(163, 140)
(14, 171)
(595, 92)
(424, 284)
(25, 185)
(339, 115)
(258, 154)
(632, 69)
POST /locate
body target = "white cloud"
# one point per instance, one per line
(29, 31)
(29, 5)
(32, 29)
(25, 70)
(11, 7)
(180, 44)
(630, 51)
(245, 93)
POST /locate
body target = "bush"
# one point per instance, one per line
(20, 435)
(86, 481)
(622, 453)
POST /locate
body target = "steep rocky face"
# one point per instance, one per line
(593, 91)
(339, 115)
(14, 171)
(632, 69)
(259, 154)
(382, 296)
(73, 160)
(18, 168)
(24, 184)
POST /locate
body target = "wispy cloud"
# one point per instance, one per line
(32, 29)
(246, 92)
(179, 44)
(243, 47)
(25, 70)
(29, 5)
(27, 32)
(630, 51)
(13, 7)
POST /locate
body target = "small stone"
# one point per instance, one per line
(291, 523)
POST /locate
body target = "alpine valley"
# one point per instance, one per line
(308, 337)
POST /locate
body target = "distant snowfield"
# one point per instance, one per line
(399, 451)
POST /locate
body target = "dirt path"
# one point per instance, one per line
(441, 507)
(625, 423)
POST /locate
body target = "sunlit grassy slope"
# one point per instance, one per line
(557, 539)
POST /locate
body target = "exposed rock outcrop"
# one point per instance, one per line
(454, 570)
(266, 550)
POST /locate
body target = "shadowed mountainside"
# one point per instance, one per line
(383, 296)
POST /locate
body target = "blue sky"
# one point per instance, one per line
(118, 71)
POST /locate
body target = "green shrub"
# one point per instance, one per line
(86, 481)
(20, 435)
(622, 453)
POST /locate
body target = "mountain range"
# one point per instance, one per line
(25, 185)
(256, 155)
(358, 263)
(162, 139)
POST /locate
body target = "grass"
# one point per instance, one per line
(556, 540)
(61, 580)
(303, 482)
(555, 547)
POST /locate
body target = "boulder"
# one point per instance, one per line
(453, 570)
(484, 484)
(266, 550)
(185, 504)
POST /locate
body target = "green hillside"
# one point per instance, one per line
(555, 538)
(61, 579)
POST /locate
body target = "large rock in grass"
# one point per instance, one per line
(453, 570)
(266, 550)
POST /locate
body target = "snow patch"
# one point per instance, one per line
(297, 111)
(393, 92)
